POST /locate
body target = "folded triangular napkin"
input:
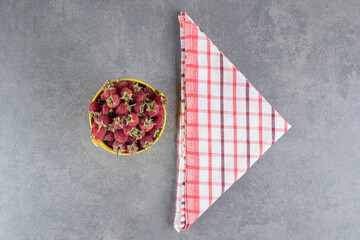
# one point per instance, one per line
(225, 125)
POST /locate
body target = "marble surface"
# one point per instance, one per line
(303, 56)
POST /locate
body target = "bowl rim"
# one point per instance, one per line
(101, 142)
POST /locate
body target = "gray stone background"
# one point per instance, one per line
(303, 56)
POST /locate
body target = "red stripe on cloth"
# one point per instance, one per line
(235, 124)
(204, 52)
(231, 113)
(222, 122)
(209, 119)
(239, 127)
(216, 168)
(229, 155)
(247, 124)
(192, 117)
(229, 141)
(273, 124)
(260, 126)
(235, 84)
(206, 183)
(218, 97)
(196, 37)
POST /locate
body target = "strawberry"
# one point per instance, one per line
(119, 147)
(146, 124)
(140, 134)
(102, 96)
(152, 109)
(109, 136)
(161, 111)
(130, 140)
(132, 148)
(120, 136)
(131, 119)
(110, 143)
(94, 128)
(108, 91)
(113, 101)
(139, 97)
(146, 141)
(106, 109)
(94, 107)
(135, 87)
(154, 132)
(161, 100)
(126, 94)
(159, 122)
(149, 93)
(131, 86)
(139, 107)
(120, 85)
(103, 120)
(130, 131)
(123, 108)
(118, 122)
(100, 134)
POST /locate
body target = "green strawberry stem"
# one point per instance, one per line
(137, 88)
(127, 97)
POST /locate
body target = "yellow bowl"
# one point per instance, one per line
(106, 147)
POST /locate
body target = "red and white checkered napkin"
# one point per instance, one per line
(225, 125)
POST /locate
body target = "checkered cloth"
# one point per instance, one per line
(225, 125)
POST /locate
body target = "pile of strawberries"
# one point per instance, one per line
(128, 116)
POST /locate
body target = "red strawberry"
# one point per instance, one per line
(110, 143)
(110, 136)
(113, 101)
(139, 97)
(126, 94)
(154, 132)
(132, 148)
(108, 91)
(119, 147)
(94, 128)
(161, 100)
(161, 111)
(139, 107)
(146, 141)
(135, 87)
(131, 86)
(118, 122)
(159, 122)
(140, 134)
(131, 119)
(106, 109)
(146, 124)
(131, 140)
(123, 108)
(102, 96)
(103, 120)
(94, 107)
(151, 109)
(149, 93)
(120, 85)
(130, 131)
(100, 134)
(120, 136)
